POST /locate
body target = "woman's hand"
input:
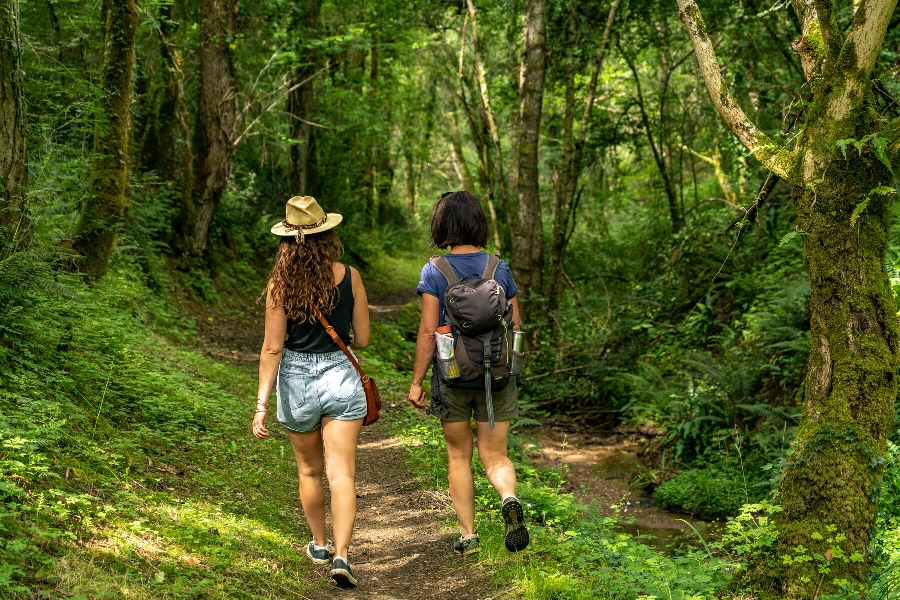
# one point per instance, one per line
(417, 396)
(259, 425)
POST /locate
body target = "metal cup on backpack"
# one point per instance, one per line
(518, 353)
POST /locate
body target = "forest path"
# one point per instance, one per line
(401, 546)
(402, 540)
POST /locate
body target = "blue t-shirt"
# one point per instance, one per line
(434, 283)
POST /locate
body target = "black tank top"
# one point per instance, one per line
(312, 337)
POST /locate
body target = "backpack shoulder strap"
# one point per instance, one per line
(490, 269)
(443, 265)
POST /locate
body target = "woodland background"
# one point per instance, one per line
(149, 146)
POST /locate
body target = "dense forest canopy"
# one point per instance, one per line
(697, 201)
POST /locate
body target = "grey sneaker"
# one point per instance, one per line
(467, 545)
(320, 556)
(517, 537)
(341, 573)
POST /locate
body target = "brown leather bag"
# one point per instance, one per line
(373, 399)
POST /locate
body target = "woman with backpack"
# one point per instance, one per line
(479, 287)
(321, 401)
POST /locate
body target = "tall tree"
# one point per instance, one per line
(569, 171)
(108, 195)
(214, 130)
(176, 158)
(528, 238)
(839, 170)
(300, 101)
(13, 166)
(499, 183)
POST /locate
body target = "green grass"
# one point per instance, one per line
(127, 468)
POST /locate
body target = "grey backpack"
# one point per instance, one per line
(480, 317)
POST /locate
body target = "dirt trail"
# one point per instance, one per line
(401, 547)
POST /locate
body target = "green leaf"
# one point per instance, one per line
(884, 190)
(858, 211)
(879, 149)
(842, 144)
(788, 237)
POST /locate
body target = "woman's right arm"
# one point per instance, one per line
(425, 345)
(269, 359)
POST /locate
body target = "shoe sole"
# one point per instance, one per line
(467, 552)
(517, 537)
(318, 561)
(343, 578)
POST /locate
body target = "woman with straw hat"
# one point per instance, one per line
(321, 401)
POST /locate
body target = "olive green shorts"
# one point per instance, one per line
(452, 404)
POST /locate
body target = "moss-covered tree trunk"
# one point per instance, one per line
(214, 131)
(829, 486)
(13, 164)
(106, 207)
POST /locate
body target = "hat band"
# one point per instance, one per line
(293, 227)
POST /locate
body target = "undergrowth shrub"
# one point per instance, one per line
(702, 492)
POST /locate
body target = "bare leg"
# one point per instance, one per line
(492, 454)
(310, 464)
(340, 439)
(459, 470)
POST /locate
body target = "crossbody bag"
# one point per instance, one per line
(373, 399)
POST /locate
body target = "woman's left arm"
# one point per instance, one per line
(517, 323)
(360, 318)
(269, 359)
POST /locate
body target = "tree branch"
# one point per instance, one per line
(859, 52)
(775, 158)
(867, 32)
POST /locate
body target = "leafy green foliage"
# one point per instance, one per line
(702, 491)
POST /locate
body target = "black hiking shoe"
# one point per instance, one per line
(516, 534)
(341, 573)
(467, 545)
(320, 556)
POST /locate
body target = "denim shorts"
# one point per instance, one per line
(315, 385)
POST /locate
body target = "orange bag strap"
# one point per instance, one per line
(337, 340)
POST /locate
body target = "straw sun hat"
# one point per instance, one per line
(305, 217)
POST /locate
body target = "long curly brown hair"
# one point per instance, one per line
(302, 278)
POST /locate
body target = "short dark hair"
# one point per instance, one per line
(458, 220)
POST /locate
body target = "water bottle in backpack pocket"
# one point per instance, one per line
(448, 368)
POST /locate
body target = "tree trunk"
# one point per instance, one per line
(459, 161)
(659, 159)
(176, 158)
(528, 238)
(499, 178)
(214, 131)
(13, 157)
(108, 194)
(300, 106)
(410, 172)
(573, 150)
(828, 489)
